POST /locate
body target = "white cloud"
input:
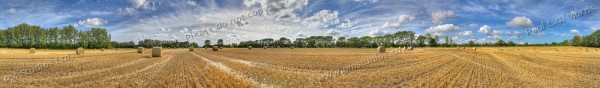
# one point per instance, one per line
(497, 32)
(323, 18)
(473, 25)
(301, 35)
(465, 33)
(405, 18)
(190, 2)
(372, 1)
(521, 21)
(594, 29)
(184, 30)
(279, 9)
(347, 24)
(495, 37)
(11, 11)
(376, 32)
(538, 34)
(440, 16)
(100, 13)
(485, 29)
(137, 3)
(127, 11)
(92, 22)
(574, 31)
(391, 25)
(333, 32)
(442, 28)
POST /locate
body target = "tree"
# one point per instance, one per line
(421, 41)
(432, 41)
(577, 40)
(500, 43)
(207, 43)
(471, 43)
(341, 42)
(365, 41)
(220, 42)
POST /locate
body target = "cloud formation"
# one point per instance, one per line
(485, 29)
(442, 28)
(405, 18)
(333, 32)
(279, 9)
(387, 24)
(323, 18)
(11, 11)
(521, 21)
(92, 22)
(574, 31)
(440, 16)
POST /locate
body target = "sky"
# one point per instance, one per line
(242, 20)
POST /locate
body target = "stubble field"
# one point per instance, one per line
(305, 67)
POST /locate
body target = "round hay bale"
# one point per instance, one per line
(116, 49)
(102, 49)
(381, 49)
(32, 50)
(191, 49)
(80, 51)
(474, 49)
(157, 52)
(215, 48)
(140, 50)
(220, 47)
(46, 49)
(250, 47)
(291, 47)
(265, 47)
(587, 49)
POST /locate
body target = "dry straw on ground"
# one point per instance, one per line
(157, 52)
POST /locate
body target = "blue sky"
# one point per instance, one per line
(462, 20)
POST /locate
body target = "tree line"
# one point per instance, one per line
(69, 37)
(398, 39)
(592, 40)
(31, 36)
(149, 43)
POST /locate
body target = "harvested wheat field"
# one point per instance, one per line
(304, 67)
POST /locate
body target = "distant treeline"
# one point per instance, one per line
(401, 39)
(398, 39)
(69, 37)
(148, 43)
